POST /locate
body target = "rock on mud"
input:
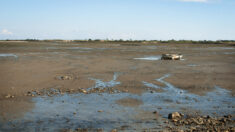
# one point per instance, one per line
(171, 57)
(64, 77)
(175, 115)
(9, 96)
(83, 91)
(114, 130)
(202, 123)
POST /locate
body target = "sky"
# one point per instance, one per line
(118, 19)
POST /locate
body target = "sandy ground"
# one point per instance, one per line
(37, 66)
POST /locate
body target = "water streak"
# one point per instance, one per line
(101, 84)
(149, 58)
(8, 55)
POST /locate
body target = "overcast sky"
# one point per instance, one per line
(117, 19)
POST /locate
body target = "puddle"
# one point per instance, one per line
(129, 102)
(101, 110)
(205, 104)
(215, 48)
(76, 48)
(79, 111)
(49, 53)
(229, 53)
(151, 47)
(101, 84)
(8, 55)
(223, 48)
(192, 65)
(52, 48)
(152, 58)
(103, 48)
(68, 48)
(85, 48)
(228, 48)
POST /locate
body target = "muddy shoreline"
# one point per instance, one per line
(48, 86)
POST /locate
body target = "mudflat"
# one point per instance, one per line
(61, 85)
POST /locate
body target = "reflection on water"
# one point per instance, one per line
(192, 65)
(99, 110)
(8, 55)
(214, 48)
(149, 58)
(101, 84)
(219, 98)
(229, 53)
(228, 48)
(75, 48)
(79, 111)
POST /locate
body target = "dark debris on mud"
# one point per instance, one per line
(87, 130)
(52, 92)
(189, 123)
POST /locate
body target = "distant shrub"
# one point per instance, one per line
(31, 40)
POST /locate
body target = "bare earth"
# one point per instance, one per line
(26, 67)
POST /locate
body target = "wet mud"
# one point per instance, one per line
(55, 87)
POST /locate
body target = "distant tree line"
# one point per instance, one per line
(160, 41)
(136, 41)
